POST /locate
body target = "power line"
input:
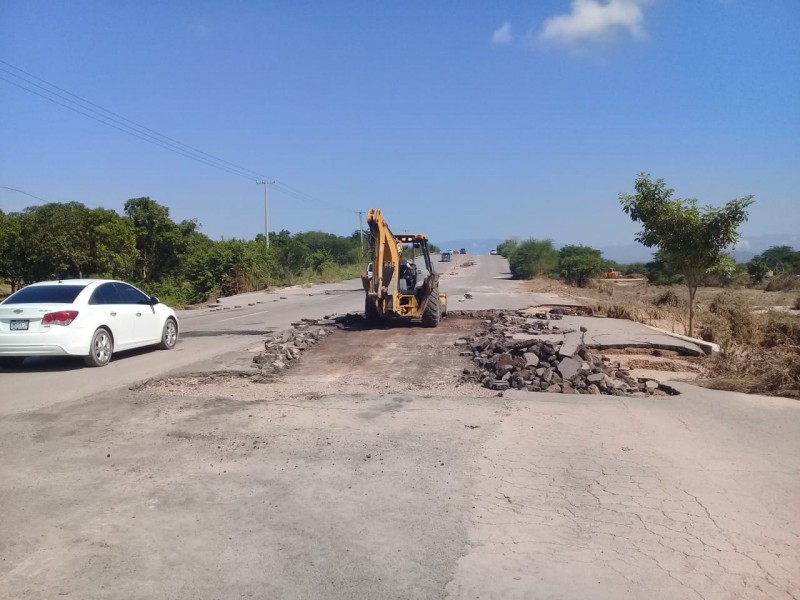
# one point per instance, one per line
(110, 112)
(153, 141)
(5, 187)
(116, 121)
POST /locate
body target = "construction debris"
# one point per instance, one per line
(508, 355)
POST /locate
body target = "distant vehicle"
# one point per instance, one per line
(447, 256)
(463, 251)
(91, 318)
(493, 252)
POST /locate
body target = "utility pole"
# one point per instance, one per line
(361, 230)
(266, 183)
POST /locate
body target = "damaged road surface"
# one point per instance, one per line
(370, 468)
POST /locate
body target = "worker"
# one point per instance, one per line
(408, 272)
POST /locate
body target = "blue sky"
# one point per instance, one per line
(459, 119)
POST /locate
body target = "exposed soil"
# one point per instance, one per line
(657, 364)
(390, 360)
(405, 358)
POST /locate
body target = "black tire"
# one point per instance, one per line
(100, 349)
(433, 310)
(169, 335)
(11, 362)
(371, 315)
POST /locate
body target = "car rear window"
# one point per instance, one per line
(45, 294)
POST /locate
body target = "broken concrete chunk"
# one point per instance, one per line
(531, 360)
(595, 378)
(568, 367)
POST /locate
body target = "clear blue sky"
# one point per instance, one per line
(461, 119)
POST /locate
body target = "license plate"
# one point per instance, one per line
(19, 324)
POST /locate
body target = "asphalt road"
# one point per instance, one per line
(370, 474)
(238, 324)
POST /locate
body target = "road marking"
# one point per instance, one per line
(261, 312)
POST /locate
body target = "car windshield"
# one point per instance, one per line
(45, 294)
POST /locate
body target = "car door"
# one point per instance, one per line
(145, 325)
(118, 316)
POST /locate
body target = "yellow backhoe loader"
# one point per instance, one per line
(397, 286)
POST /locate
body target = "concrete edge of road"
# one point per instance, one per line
(710, 348)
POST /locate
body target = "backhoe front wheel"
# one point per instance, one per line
(433, 310)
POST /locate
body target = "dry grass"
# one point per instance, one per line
(770, 366)
(760, 345)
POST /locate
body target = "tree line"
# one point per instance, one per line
(173, 260)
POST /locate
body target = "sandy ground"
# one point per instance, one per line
(370, 471)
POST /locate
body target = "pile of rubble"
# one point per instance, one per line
(507, 355)
(284, 348)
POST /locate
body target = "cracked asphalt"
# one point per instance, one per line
(370, 471)
(696, 497)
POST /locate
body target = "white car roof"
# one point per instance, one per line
(83, 282)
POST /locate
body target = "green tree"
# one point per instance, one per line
(633, 268)
(320, 259)
(782, 259)
(757, 269)
(533, 258)
(658, 272)
(160, 242)
(690, 240)
(112, 244)
(507, 247)
(13, 250)
(57, 236)
(578, 264)
(227, 267)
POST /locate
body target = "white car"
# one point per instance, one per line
(91, 318)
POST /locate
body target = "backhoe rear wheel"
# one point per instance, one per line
(433, 310)
(371, 315)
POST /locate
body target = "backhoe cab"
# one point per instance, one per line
(402, 282)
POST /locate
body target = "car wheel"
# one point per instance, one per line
(169, 337)
(100, 349)
(11, 362)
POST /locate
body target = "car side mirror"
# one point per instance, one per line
(154, 301)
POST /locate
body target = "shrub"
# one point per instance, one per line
(578, 264)
(785, 282)
(171, 292)
(533, 258)
(730, 321)
(618, 311)
(667, 298)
